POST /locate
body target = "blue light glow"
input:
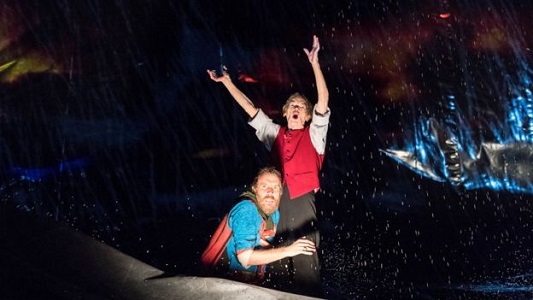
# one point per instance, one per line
(498, 160)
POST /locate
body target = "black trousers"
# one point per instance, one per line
(298, 219)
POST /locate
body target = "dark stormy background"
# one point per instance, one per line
(110, 125)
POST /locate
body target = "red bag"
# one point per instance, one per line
(217, 245)
(215, 259)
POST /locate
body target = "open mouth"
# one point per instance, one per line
(295, 116)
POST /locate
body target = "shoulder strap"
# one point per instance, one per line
(266, 218)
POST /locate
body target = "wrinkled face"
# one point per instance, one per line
(297, 114)
(268, 192)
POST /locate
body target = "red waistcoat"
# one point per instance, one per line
(294, 154)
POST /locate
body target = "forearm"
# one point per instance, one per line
(241, 98)
(266, 256)
(251, 257)
(322, 89)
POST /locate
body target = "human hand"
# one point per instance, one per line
(222, 78)
(301, 246)
(312, 54)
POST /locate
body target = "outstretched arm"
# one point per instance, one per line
(266, 256)
(237, 94)
(322, 89)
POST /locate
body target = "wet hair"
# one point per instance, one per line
(266, 170)
(308, 105)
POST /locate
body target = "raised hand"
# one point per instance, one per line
(312, 54)
(224, 77)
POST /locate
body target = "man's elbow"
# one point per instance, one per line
(244, 258)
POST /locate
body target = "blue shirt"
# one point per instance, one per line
(245, 223)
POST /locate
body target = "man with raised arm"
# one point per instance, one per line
(297, 150)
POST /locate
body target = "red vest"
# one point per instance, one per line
(294, 154)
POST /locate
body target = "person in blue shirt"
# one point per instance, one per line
(253, 222)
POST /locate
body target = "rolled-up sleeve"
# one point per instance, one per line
(319, 130)
(265, 129)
